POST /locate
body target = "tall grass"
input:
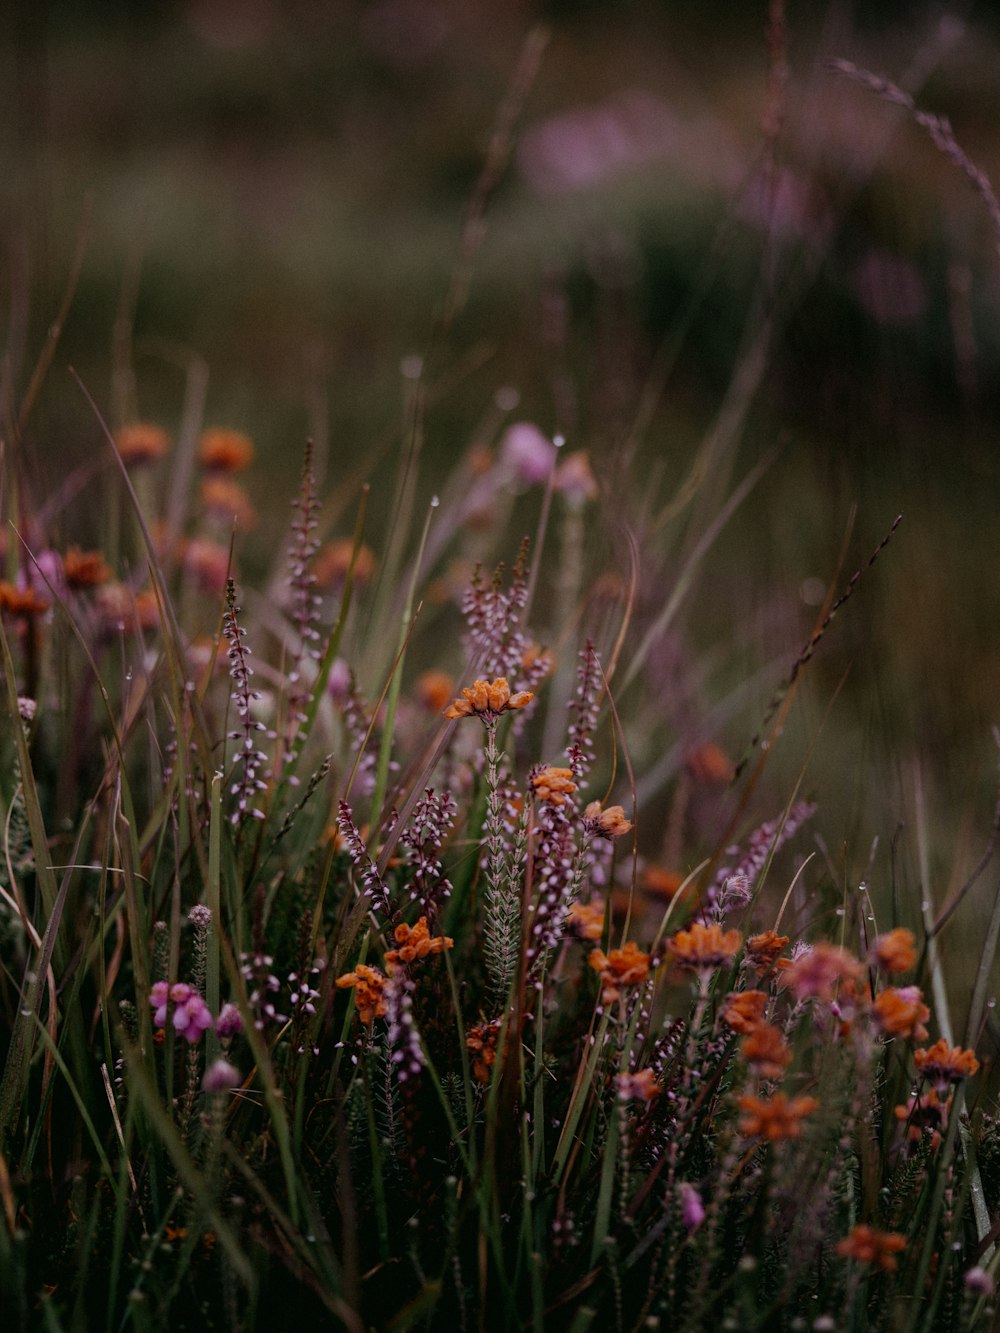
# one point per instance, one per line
(366, 958)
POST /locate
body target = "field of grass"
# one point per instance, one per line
(499, 668)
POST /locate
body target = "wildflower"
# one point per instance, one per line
(978, 1281)
(526, 453)
(701, 948)
(587, 919)
(660, 882)
(692, 1208)
(335, 560)
(868, 1246)
(84, 569)
(777, 1118)
(942, 1064)
(191, 1013)
(766, 1050)
(124, 611)
(553, 784)
(818, 970)
(743, 1010)
(415, 942)
(627, 966)
(488, 701)
(220, 1076)
(640, 1086)
(894, 951)
(899, 1012)
(710, 765)
(222, 450)
(208, 564)
(141, 442)
(922, 1115)
(23, 602)
(537, 662)
(229, 1023)
(369, 991)
(434, 689)
(608, 824)
(762, 950)
(225, 501)
(482, 1042)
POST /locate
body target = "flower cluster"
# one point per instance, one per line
(619, 968)
(487, 700)
(191, 1015)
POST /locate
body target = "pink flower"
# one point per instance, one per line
(692, 1208)
(229, 1023)
(527, 454)
(191, 1014)
(220, 1076)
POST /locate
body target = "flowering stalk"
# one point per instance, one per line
(502, 915)
(304, 608)
(249, 762)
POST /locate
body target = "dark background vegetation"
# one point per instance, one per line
(279, 189)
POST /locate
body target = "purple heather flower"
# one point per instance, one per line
(220, 1076)
(978, 1280)
(191, 1013)
(527, 454)
(692, 1208)
(229, 1023)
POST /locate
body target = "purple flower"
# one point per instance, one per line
(191, 1013)
(692, 1208)
(220, 1076)
(229, 1023)
(527, 454)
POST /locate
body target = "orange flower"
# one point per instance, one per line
(819, 970)
(924, 1114)
(609, 824)
(222, 450)
(710, 765)
(24, 602)
(899, 1012)
(777, 1118)
(894, 951)
(553, 784)
(700, 948)
(84, 569)
(587, 919)
(482, 1042)
(640, 1086)
(122, 610)
(767, 1051)
(743, 1010)
(333, 563)
(943, 1064)
(369, 991)
(415, 942)
(226, 501)
(488, 701)
(208, 564)
(434, 689)
(868, 1246)
(762, 950)
(662, 883)
(627, 966)
(141, 442)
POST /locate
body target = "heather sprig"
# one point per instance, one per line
(250, 765)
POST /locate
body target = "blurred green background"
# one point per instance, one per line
(788, 262)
